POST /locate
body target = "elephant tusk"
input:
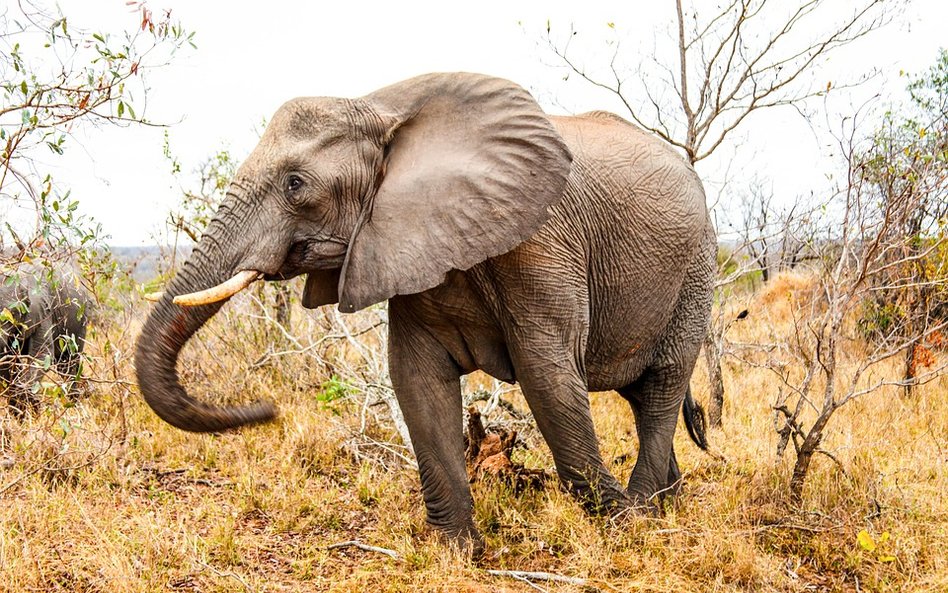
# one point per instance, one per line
(153, 297)
(225, 290)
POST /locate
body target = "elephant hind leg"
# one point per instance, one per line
(655, 399)
(658, 394)
(560, 404)
(546, 341)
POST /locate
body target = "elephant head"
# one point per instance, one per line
(370, 198)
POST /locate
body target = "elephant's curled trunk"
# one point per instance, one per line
(167, 329)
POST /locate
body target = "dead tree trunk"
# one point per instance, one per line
(805, 454)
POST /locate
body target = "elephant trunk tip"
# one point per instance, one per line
(222, 419)
(194, 416)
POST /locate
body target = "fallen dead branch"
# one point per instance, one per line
(537, 576)
(226, 574)
(525, 576)
(354, 543)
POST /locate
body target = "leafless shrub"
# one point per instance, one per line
(862, 243)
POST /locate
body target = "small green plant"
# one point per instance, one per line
(333, 390)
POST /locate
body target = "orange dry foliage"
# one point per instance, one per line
(922, 357)
(937, 339)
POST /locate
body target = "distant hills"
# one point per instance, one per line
(143, 262)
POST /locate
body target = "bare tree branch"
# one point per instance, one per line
(737, 76)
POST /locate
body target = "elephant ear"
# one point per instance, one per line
(471, 167)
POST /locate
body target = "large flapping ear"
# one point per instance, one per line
(472, 165)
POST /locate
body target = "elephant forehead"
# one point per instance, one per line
(310, 118)
(300, 129)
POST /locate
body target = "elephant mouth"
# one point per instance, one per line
(310, 255)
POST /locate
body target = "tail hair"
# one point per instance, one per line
(695, 420)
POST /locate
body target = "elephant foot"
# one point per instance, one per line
(466, 540)
(604, 498)
(646, 505)
(649, 498)
(651, 503)
(632, 507)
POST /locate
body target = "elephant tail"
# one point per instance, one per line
(694, 420)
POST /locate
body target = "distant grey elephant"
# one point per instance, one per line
(43, 313)
(566, 253)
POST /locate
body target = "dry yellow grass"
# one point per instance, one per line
(105, 497)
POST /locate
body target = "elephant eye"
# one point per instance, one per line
(293, 183)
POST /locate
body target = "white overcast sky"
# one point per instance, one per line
(251, 57)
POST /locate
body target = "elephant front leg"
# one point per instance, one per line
(427, 385)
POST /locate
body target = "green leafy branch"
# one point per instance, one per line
(54, 77)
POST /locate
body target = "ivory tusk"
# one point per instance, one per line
(225, 290)
(153, 297)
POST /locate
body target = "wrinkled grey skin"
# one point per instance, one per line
(50, 312)
(570, 254)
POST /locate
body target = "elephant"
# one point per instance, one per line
(44, 312)
(567, 253)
